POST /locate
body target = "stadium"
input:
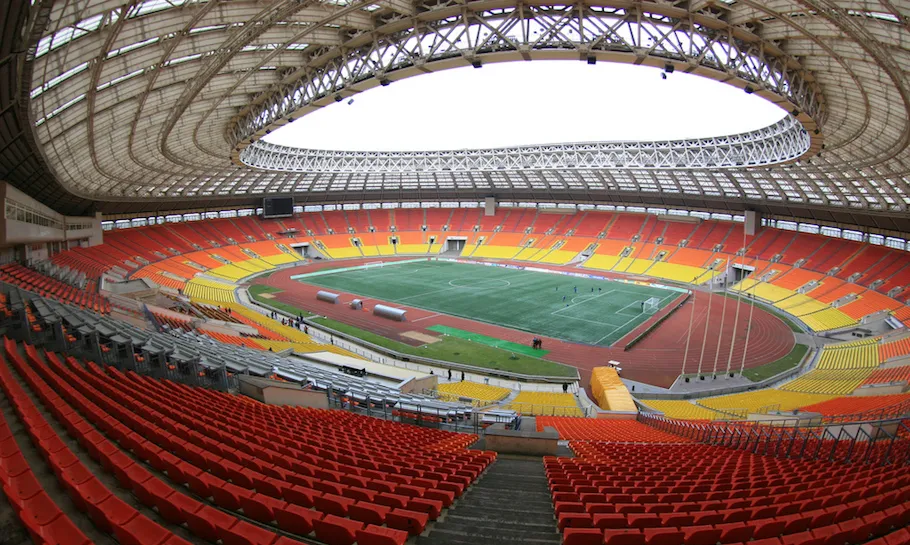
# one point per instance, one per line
(219, 330)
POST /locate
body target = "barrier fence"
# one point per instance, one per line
(879, 442)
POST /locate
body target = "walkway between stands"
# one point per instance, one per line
(511, 503)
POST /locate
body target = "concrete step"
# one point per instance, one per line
(479, 537)
(510, 504)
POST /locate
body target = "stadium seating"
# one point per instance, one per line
(544, 404)
(26, 278)
(849, 357)
(762, 401)
(866, 407)
(173, 322)
(835, 382)
(208, 291)
(827, 319)
(685, 410)
(893, 374)
(679, 273)
(282, 483)
(593, 429)
(171, 254)
(895, 348)
(484, 393)
(687, 494)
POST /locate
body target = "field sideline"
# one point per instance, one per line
(590, 311)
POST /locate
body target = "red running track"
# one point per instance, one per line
(657, 360)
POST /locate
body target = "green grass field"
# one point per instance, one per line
(449, 348)
(590, 311)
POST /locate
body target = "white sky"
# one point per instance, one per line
(537, 102)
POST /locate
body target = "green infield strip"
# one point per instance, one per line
(489, 341)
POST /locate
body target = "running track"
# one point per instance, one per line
(657, 360)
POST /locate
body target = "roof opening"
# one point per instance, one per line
(527, 103)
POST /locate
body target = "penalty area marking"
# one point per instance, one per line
(586, 299)
(615, 329)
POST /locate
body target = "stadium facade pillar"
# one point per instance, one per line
(753, 222)
(489, 206)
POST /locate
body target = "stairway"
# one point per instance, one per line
(509, 504)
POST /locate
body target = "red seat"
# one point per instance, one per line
(410, 521)
(260, 507)
(431, 507)
(768, 528)
(735, 532)
(110, 513)
(610, 520)
(244, 533)
(208, 523)
(296, 519)
(61, 531)
(140, 530)
(801, 538)
(90, 492)
(300, 495)
(832, 535)
(39, 510)
(332, 504)
(701, 535)
(228, 496)
(643, 521)
(152, 491)
(568, 507)
(174, 507)
(664, 536)
(898, 537)
(624, 537)
(370, 513)
(335, 530)
(377, 535)
(582, 536)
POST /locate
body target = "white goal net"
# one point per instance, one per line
(372, 265)
(650, 306)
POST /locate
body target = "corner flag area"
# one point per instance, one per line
(585, 310)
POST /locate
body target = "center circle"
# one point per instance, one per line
(479, 283)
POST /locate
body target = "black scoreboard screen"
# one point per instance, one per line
(277, 207)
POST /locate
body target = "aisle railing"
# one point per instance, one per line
(880, 442)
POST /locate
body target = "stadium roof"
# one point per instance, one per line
(153, 105)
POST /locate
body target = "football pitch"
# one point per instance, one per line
(583, 310)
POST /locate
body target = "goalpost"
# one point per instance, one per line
(650, 306)
(373, 265)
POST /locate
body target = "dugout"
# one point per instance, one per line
(328, 297)
(391, 313)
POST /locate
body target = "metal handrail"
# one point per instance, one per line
(881, 442)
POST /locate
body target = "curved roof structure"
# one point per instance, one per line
(150, 105)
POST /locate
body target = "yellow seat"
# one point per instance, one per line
(762, 400)
(484, 393)
(545, 404)
(684, 410)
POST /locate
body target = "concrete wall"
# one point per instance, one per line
(896, 362)
(274, 392)
(881, 389)
(534, 443)
(295, 398)
(418, 385)
(14, 231)
(616, 415)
